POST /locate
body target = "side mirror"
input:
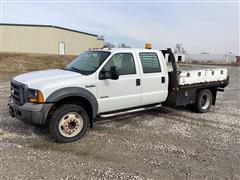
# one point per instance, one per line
(114, 72)
(102, 74)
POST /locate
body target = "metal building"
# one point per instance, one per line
(46, 39)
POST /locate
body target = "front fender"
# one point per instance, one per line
(74, 91)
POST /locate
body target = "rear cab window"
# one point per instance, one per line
(150, 62)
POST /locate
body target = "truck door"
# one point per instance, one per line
(154, 77)
(124, 92)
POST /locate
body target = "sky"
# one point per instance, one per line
(210, 26)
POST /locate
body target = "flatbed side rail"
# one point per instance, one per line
(219, 84)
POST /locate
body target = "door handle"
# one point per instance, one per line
(138, 82)
(163, 79)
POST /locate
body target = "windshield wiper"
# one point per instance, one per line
(73, 69)
(83, 72)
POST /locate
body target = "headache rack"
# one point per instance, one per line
(18, 92)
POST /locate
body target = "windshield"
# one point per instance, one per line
(88, 62)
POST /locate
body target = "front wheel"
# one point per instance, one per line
(68, 123)
(204, 101)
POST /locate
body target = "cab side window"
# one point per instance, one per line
(124, 63)
(150, 62)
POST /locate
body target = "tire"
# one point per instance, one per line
(68, 123)
(203, 102)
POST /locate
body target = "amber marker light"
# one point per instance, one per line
(35, 96)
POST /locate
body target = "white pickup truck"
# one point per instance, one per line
(108, 82)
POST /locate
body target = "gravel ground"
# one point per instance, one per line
(165, 143)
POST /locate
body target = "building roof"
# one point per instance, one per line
(51, 26)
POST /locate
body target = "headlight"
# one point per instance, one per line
(35, 96)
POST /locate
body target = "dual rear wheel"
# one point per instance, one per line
(203, 102)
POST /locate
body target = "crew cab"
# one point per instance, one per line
(108, 82)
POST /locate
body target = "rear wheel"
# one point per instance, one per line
(68, 123)
(204, 101)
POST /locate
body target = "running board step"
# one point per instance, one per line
(106, 115)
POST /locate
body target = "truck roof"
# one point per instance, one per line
(124, 50)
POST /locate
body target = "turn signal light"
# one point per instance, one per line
(37, 99)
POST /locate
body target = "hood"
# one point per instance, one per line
(45, 76)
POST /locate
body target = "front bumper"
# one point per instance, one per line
(29, 112)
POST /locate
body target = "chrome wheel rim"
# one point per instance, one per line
(70, 124)
(205, 101)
